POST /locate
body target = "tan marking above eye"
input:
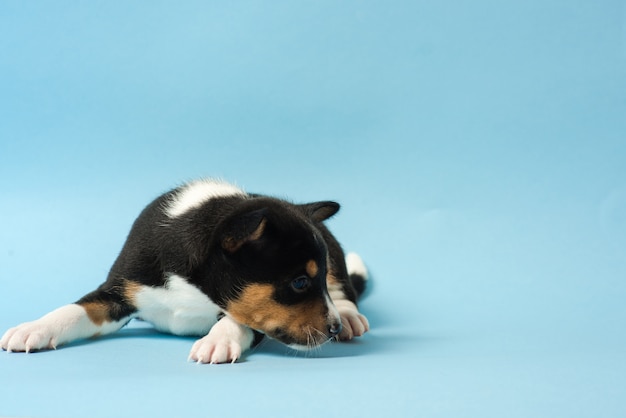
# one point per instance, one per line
(312, 268)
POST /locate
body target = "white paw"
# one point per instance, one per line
(354, 324)
(27, 337)
(224, 343)
(214, 350)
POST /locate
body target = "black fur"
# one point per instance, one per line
(192, 245)
(266, 267)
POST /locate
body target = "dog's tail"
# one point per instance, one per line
(357, 272)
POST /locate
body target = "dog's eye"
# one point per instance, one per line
(300, 284)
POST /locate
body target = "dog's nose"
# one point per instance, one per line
(334, 329)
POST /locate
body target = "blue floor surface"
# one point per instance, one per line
(478, 150)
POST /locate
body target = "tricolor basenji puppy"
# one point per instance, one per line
(211, 260)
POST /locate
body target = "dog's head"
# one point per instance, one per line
(275, 264)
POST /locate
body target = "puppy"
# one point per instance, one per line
(209, 259)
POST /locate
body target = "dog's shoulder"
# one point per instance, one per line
(173, 231)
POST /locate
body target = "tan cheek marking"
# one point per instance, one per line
(255, 306)
(305, 315)
(256, 309)
(97, 312)
(312, 268)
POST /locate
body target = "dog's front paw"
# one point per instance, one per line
(225, 343)
(27, 337)
(354, 324)
(215, 350)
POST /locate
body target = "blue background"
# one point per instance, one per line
(478, 149)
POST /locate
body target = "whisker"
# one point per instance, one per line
(323, 339)
(310, 341)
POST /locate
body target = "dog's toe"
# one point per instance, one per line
(210, 350)
(27, 337)
(226, 353)
(224, 343)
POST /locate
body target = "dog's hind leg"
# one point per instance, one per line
(97, 313)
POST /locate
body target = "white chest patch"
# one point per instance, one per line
(178, 307)
(194, 194)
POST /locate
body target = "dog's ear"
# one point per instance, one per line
(320, 211)
(245, 228)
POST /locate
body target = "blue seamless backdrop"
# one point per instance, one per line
(477, 149)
